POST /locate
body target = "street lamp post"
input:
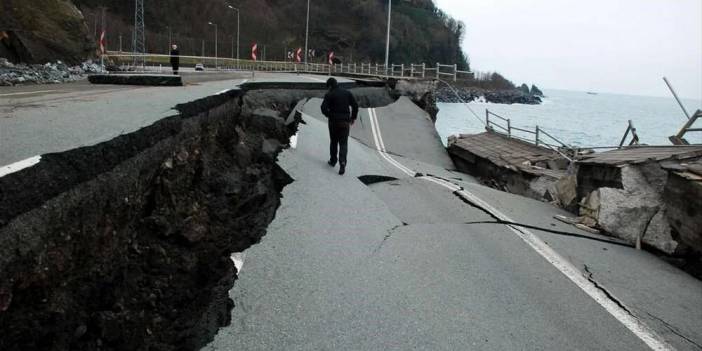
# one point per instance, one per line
(307, 32)
(387, 43)
(216, 38)
(237, 29)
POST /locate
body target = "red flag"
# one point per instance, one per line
(254, 52)
(331, 58)
(102, 42)
(298, 55)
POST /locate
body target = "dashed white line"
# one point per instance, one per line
(638, 328)
(18, 166)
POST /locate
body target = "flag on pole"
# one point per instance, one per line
(331, 57)
(102, 42)
(254, 52)
(298, 55)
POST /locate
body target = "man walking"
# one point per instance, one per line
(175, 58)
(336, 108)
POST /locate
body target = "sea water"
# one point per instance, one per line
(578, 118)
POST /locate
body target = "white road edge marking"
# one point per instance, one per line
(18, 166)
(293, 141)
(238, 259)
(638, 328)
(227, 90)
(29, 92)
(315, 79)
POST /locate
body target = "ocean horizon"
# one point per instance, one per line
(578, 118)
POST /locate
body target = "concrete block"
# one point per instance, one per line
(136, 79)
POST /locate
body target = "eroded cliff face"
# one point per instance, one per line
(41, 31)
(126, 245)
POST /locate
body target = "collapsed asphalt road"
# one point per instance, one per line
(395, 264)
(390, 256)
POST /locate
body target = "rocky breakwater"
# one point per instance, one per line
(498, 96)
(49, 73)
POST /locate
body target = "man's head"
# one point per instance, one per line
(174, 46)
(332, 83)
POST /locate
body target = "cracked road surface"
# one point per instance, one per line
(396, 265)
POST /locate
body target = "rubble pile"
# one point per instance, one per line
(50, 73)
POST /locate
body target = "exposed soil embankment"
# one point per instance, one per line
(126, 245)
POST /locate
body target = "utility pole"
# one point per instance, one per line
(216, 39)
(139, 40)
(103, 32)
(307, 32)
(387, 43)
(237, 29)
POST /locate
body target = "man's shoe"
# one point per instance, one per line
(342, 169)
(331, 163)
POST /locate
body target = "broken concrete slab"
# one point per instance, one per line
(137, 79)
(658, 234)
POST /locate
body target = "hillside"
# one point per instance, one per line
(39, 31)
(354, 29)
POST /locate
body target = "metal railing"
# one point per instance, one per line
(160, 62)
(679, 139)
(634, 137)
(539, 137)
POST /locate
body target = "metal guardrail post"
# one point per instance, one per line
(628, 128)
(675, 94)
(438, 70)
(402, 70)
(455, 72)
(509, 128)
(424, 70)
(537, 135)
(487, 118)
(412, 70)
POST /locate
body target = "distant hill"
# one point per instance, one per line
(354, 29)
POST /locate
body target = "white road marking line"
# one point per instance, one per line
(228, 90)
(18, 166)
(380, 145)
(315, 79)
(293, 141)
(238, 259)
(29, 92)
(638, 328)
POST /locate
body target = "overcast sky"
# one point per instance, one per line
(620, 46)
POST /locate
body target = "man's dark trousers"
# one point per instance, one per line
(339, 134)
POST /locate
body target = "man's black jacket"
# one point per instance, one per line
(336, 105)
(175, 57)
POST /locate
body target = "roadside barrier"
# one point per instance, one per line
(161, 63)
